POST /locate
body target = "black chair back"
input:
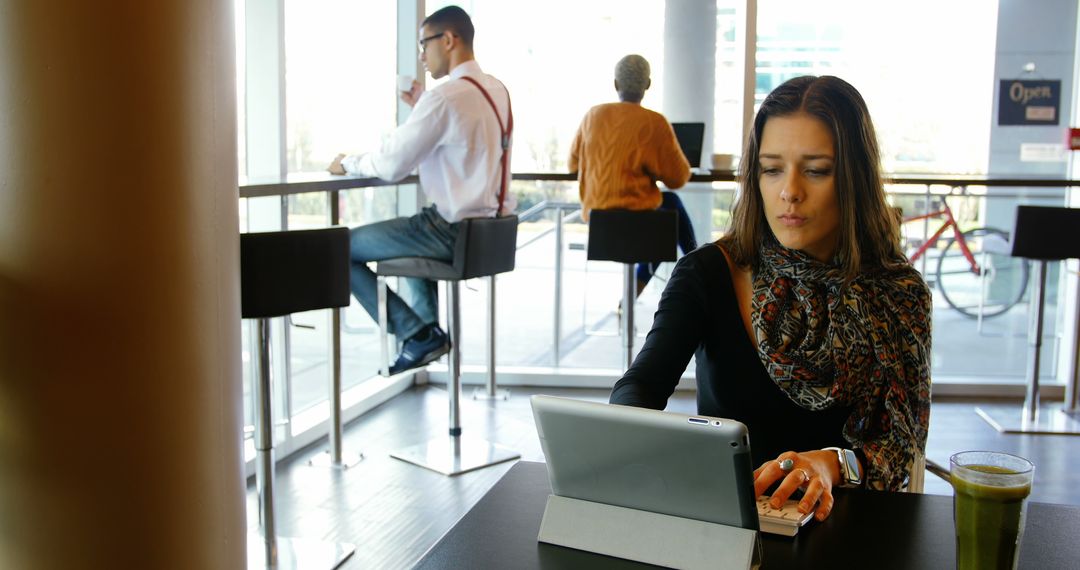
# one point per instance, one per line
(486, 246)
(633, 236)
(289, 272)
(1046, 232)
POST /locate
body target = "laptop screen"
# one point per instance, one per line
(691, 136)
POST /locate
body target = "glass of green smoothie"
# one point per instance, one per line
(990, 491)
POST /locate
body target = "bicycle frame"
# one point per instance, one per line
(950, 221)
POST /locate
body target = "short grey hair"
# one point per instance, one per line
(632, 73)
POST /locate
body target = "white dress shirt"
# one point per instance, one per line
(453, 137)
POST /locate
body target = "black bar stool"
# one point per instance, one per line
(283, 273)
(629, 237)
(484, 248)
(1041, 234)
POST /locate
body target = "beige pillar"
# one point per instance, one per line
(120, 392)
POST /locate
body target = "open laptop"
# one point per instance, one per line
(691, 136)
(695, 467)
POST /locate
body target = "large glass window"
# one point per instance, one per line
(930, 98)
(557, 58)
(339, 96)
(340, 62)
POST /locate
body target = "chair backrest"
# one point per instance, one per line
(485, 246)
(633, 236)
(289, 272)
(1045, 232)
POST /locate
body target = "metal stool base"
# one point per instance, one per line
(294, 553)
(325, 460)
(455, 455)
(1049, 420)
(482, 394)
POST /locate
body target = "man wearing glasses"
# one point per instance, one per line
(458, 139)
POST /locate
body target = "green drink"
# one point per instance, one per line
(989, 507)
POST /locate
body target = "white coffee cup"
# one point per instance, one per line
(724, 162)
(404, 82)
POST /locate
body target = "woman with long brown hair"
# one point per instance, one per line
(807, 321)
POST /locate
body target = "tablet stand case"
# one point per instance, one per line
(648, 537)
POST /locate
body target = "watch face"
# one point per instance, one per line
(851, 465)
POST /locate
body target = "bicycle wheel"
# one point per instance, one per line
(995, 288)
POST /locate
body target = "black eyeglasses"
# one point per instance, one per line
(423, 41)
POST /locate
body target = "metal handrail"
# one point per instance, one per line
(559, 207)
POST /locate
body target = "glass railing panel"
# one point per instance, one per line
(981, 312)
(991, 348)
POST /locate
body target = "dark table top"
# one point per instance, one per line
(865, 529)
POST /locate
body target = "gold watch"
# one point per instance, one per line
(850, 473)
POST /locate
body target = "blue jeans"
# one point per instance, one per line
(687, 241)
(425, 234)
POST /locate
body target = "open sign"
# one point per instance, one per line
(1029, 102)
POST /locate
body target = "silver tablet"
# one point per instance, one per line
(695, 467)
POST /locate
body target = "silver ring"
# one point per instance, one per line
(806, 476)
(786, 465)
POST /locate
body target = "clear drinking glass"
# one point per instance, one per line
(990, 491)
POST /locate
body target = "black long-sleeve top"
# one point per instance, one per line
(699, 314)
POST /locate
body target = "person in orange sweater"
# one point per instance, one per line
(622, 149)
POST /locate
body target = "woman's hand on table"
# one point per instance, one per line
(814, 472)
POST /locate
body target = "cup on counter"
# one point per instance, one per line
(990, 491)
(404, 82)
(723, 162)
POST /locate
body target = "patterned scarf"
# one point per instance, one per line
(817, 338)
(865, 344)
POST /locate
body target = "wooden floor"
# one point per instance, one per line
(393, 511)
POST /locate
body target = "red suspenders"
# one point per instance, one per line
(506, 131)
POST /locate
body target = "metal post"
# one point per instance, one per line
(1029, 420)
(558, 286)
(1031, 399)
(1072, 388)
(453, 386)
(380, 289)
(629, 294)
(491, 338)
(335, 386)
(270, 550)
(926, 232)
(334, 457)
(335, 356)
(1072, 385)
(455, 454)
(284, 385)
(264, 443)
(490, 391)
(335, 395)
(982, 290)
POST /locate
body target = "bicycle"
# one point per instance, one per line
(975, 272)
